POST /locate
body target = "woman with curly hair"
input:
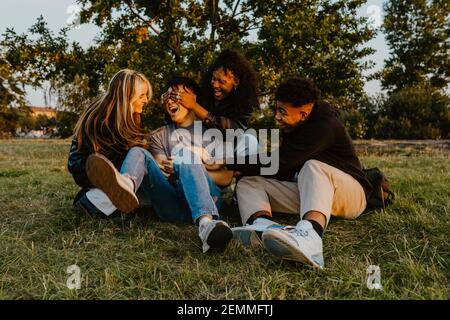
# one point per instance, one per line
(229, 93)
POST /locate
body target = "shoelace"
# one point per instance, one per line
(205, 226)
(300, 232)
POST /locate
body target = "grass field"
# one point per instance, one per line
(138, 257)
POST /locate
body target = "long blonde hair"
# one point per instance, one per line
(109, 122)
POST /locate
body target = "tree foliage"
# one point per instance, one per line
(417, 32)
(318, 39)
(11, 88)
(11, 97)
(420, 112)
(414, 113)
(322, 39)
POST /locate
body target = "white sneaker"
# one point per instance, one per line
(119, 189)
(301, 244)
(250, 234)
(215, 234)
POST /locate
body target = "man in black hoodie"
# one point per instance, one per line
(319, 175)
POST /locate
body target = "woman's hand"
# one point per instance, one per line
(186, 98)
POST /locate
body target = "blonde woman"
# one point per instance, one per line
(110, 126)
(179, 189)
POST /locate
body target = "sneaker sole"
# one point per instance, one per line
(82, 208)
(103, 175)
(276, 245)
(248, 238)
(219, 237)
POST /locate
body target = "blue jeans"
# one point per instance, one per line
(190, 196)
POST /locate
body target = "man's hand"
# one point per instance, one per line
(214, 166)
(167, 169)
(167, 166)
(203, 154)
(163, 171)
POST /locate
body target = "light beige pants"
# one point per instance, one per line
(319, 187)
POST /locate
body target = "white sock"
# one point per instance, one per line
(129, 182)
(258, 220)
(204, 219)
(101, 201)
(261, 220)
(202, 223)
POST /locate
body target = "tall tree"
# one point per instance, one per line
(417, 32)
(12, 97)
(11, 86)
(320, 39)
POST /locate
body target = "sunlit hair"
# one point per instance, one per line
(245, 97)
(109, 122)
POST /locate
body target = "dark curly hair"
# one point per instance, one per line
(184, 81)
(298, 91)
(245, 97)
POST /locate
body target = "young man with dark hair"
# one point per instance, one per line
(319, 175)
(172, 173)
(191, 190)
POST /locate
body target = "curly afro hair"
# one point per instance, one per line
(245, 97)
(298, 91)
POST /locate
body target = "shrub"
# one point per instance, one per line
(9, 118)
(355, 122)
(420, 113)
(411, 113)
(65, 122)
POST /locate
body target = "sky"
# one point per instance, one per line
(22, 14)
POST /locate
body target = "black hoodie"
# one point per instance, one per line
(227, 115)
(322, 137)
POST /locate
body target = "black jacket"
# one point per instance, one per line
(322, 137)
(225, 115)
(76, 162)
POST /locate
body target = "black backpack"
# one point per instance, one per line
(381, 195)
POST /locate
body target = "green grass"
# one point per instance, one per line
(138, 257)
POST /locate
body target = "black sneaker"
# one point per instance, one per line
(85, 205)
(215, 234)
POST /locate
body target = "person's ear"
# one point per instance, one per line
(236, 82)
(189, 91)
(302, 114)
(305, 110)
